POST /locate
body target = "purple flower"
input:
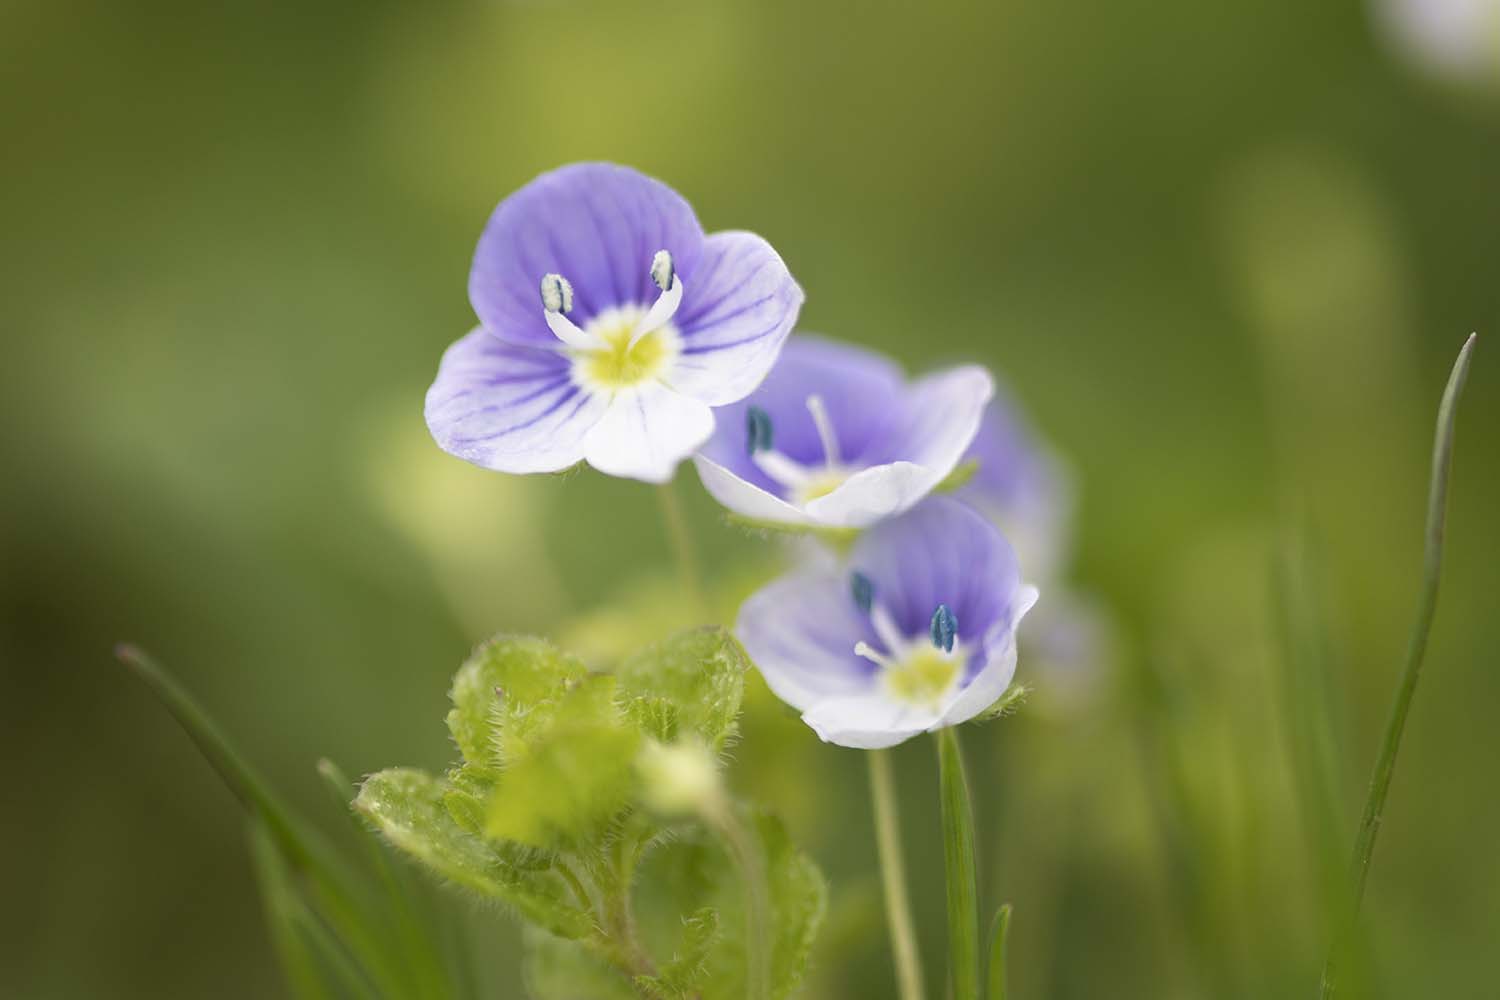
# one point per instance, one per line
(1021, 486)
(915, 632)
(837, 437)
(610, 325)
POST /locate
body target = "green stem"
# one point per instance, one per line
(682, 543)
(893, 877)
(1385, 764)
(744, 847)
(958, 858)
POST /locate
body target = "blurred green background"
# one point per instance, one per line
(1224, 253)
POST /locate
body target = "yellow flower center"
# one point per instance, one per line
(923, 677)
(819, 484)
(619, 364)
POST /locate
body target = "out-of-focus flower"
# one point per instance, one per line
(679, 778)
(837, 437)
(1019, 485)
(610, 325)
(1455, 39)
(915, 632)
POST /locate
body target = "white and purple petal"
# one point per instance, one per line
(739, 306)
(801, 630)
(895, 442)
(1021, 486)
(598, 225)
(508, 408)
(646, 431)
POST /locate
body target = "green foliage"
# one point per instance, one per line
(692, 683)
(699, 868)
(546, 813)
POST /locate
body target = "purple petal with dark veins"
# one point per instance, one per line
(509, 408)
(596, 224)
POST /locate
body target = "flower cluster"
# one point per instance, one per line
(614, 332)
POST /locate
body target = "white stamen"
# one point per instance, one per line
(662, 270)
(885, 629)
(876, 657)
(557, 294)
(660, 313)
(568, 332)
(780, 468)
(825, 429)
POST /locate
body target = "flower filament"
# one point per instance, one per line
(800, 483)
(622, 346)
(918, 669)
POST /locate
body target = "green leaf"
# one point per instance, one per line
(685, 974)
(407, 807)
(573, 772)
(556, 969)
(958, 862)
(504, 689)
(799, 899)
(695, 871)
(692, 683)
(999, 938)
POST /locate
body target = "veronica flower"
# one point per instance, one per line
(610, 325)
(837, 437)
(1021, 486)
(916, 631)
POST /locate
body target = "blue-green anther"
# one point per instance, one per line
(944, 628)
(863, 589)
(758, 434)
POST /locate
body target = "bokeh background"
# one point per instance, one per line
(1222, 253)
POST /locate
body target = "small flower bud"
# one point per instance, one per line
(944, 628)
(557, 294)
(863, 589)
(662, 270)
(757, 430)
(678, 778)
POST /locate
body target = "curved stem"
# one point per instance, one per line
(958, 858)
(1385, 764)
(893, 877)
(744, 847)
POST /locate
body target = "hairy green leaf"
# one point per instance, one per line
(685, 974)
(506, 687)
(571, 774)
(692, 683)
(556, 969)
(407, 807)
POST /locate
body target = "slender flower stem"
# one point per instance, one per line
(958, 858)
(745, 849)
(1385, 764)
(682, 543)
(893, 877)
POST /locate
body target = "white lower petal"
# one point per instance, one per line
(744, 498)
(646, 431)
(867, 721)
(874, 494)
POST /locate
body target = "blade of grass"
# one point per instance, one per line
(958, 859)
(303, 849)
(425, 968)
(1385, 764)
(999, 937)
(295, 921)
